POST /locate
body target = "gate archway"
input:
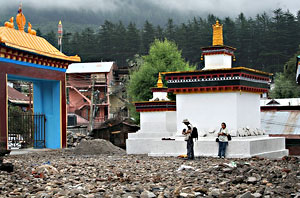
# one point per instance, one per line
(25, 56)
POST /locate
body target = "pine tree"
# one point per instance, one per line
(133, 41)
(148, 36)
(170, 30)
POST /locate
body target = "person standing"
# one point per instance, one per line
(188, 137)
(223, 140)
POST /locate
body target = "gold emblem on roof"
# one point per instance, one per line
(30, 30)
(217, 34)
(159, 82)
(10, 23)
(21, 20)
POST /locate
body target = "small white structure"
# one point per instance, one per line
(216, 94)
(157, 120)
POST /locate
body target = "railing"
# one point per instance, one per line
(26, 130)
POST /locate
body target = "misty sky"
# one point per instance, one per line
(217, 7)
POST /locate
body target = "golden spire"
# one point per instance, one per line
(159, 82)
(217, 34)
(21, 20)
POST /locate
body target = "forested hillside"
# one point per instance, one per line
(74, 18)
(263, 42)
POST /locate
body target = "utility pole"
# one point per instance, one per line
(91, 123)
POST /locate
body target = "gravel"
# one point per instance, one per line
(81, 173)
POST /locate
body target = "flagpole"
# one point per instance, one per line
(60, 35)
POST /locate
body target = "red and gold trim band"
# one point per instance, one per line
(153, 106)
(156, 89)
(233, 88)
(217, 53)
(218, 75)
(155, 110)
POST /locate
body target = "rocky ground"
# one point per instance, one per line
(66, 173)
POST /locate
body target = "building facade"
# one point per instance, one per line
(85, 80)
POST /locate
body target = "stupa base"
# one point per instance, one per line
(239, 147)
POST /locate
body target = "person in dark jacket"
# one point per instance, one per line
(190, 144)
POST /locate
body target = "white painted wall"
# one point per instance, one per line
(156, 122)
(154, 126)
(248, 110)
(207, 111)
(160, 96)
(171, 120)
(219, 61)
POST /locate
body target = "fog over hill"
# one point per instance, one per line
(78, 14)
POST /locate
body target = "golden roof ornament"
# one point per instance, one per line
(21, 20)
(217, 34)
(30, 30)
(159, 82)
(10, 23)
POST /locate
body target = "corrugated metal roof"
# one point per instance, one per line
(281, 122)
(96, 67)
(27, 42)
(281, 102)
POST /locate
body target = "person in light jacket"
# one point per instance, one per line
(223, 140)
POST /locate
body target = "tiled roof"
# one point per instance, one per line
(30, 43)
(16, 97)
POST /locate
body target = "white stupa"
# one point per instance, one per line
(218, 93)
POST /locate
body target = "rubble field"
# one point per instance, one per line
(69, 173)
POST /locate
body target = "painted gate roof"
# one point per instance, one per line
(21, 40)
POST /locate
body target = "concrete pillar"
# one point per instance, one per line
(3, 110)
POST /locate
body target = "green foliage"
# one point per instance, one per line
(285, 83)
(163, 56)
(19, 122)
(285, 88)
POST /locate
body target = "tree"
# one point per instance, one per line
(285, 88)
(133, 41)
(163, 56)
(159, 33)
(170, 30)
(51, 38)
(148, 36)
(285, 83)
(38, 32)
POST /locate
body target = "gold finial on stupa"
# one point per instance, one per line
(159, 82)
(21, 20)
(217, 34)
